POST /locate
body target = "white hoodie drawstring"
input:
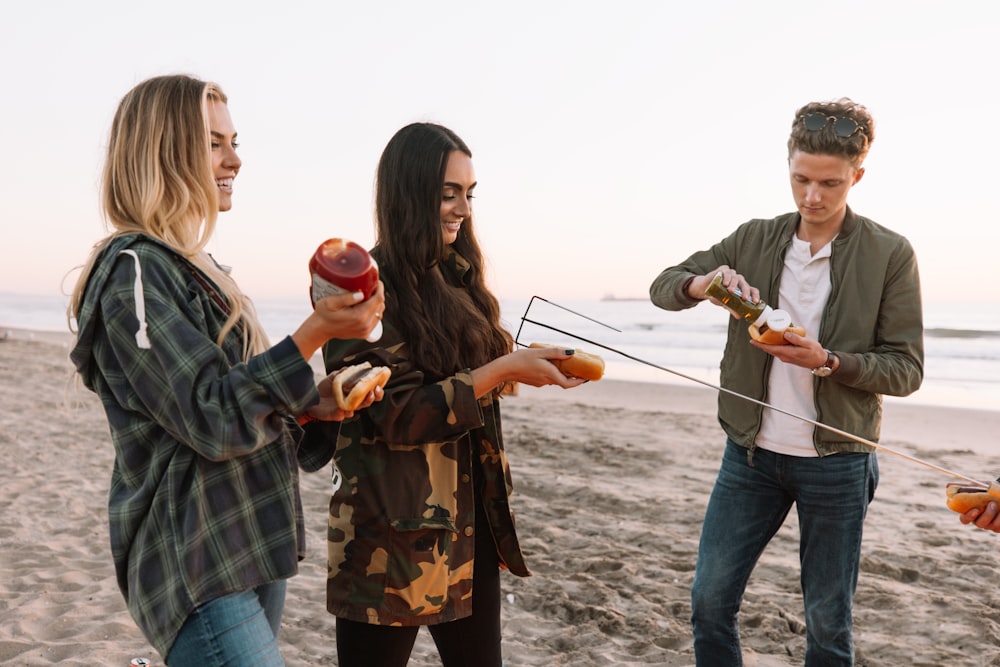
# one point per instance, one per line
(141, 338)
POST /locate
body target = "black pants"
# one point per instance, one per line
(473, 641)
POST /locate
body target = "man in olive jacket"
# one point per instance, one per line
(854, 286)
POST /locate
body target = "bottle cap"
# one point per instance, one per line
(779, 320)
(375, 333)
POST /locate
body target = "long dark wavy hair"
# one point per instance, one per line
(447, 327)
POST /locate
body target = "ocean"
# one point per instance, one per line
(640, 342)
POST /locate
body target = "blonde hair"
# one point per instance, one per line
(158, 180)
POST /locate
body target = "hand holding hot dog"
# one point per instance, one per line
(797, 350)
(579, 364)
(347, 390)
(987, 518)
(531, 366)
(978, 505)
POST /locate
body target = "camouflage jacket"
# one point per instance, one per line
(402, 516)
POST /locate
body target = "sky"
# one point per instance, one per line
(610, 139)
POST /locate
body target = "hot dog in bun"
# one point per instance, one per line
(963, 497)
(581, 365)
(773, 331)
(353, 383)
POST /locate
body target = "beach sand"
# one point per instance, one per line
(611, 481)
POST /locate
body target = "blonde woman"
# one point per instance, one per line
(204, 509)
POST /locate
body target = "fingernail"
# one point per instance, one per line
(358, 296)
(569, 351)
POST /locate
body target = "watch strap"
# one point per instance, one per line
(826, 368)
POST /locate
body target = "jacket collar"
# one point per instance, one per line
(456, 267)
(850, 224)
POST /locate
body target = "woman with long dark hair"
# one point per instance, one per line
(420, 521)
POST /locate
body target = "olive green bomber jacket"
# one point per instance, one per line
(873, 321)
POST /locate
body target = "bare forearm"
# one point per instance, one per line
(489, 376)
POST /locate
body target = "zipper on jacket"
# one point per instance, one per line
(828, 307)
(775, 289)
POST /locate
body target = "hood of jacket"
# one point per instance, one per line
(87, 319)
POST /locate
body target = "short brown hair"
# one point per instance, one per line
(826, 141)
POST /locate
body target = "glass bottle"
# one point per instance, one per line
(758, 314)
(340, 266)
(754, 313)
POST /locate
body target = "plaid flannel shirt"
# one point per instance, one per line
(204, 496)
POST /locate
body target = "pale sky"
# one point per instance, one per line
(610, 139)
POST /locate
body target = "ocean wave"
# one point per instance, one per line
(944, 332)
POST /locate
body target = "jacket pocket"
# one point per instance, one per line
(421, 569)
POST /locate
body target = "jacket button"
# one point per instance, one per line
(468, 531)
(465, 478)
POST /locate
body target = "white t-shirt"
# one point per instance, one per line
(803, 292)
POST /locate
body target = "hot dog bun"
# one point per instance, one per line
(774, 336)
(353, 384)
(963, 497)
(582, 364)
(772, 332)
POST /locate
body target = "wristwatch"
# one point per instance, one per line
(826, 368)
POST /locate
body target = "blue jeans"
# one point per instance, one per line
(747, 506)
(236, 630)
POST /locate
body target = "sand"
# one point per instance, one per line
(611, 480)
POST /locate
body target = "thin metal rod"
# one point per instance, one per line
(832, 429)
(570, 310)
(553, 303)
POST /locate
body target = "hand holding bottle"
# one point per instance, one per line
(340, 266)
(697, 287)
(346, 315)
(766, 324)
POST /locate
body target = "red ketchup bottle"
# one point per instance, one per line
(340, 266)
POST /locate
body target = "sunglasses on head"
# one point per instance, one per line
(842, 127)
